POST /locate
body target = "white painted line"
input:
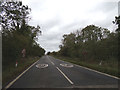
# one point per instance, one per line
(20, 75)
(66, 65)
(93, 70)
(50, 61)
(64, 75)
(42, 65)
(97, 86)
(97, 71)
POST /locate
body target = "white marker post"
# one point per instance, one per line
(100, 63)
(16, 64)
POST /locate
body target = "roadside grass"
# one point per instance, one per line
(10, 72)
(109, 66)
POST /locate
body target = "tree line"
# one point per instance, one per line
(17, 34)
(91, 43)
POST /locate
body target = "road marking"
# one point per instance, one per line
(66, 65)
(97, 71)
(97, 86)
(64, 75)
(42, 65)
(93, 70)
(20, 75)
(50, 61)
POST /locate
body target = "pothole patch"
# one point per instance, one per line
(66, 65)
(42, 65)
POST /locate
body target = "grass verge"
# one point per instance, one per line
(10, 72)
(110, 67)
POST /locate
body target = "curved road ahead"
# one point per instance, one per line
(49, 72)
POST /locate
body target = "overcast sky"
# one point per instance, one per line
(59, 17)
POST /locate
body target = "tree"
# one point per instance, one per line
(117, 22)
(91, 42)
(48, 53)
(68, 44)
(16, 33)
(13, 15)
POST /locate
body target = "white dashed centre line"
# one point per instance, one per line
(61, 72)
(65, 76)
(50, 61)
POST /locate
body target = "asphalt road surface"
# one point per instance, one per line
(49, 72)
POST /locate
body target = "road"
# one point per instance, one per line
(49, 72)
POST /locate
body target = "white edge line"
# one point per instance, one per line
(97, 71)
(19, 75)
(64, 75)
(93, 70)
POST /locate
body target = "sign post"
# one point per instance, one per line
(23, 52)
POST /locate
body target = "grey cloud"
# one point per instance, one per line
(119, 8)
(76, 25)
(54, 22)
(104, 7)
(107, 23)
(51, 45)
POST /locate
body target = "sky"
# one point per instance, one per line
(59, 17)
